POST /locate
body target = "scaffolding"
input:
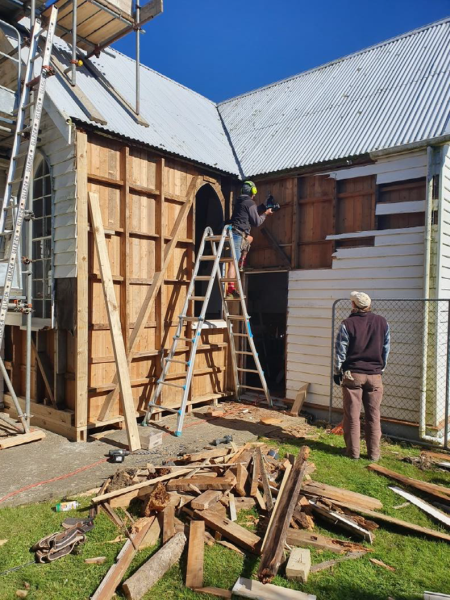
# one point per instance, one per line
(88, 27)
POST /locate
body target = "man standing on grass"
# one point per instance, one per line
(361, 353)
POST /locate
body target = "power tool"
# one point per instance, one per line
(118, 456)
(269, 204)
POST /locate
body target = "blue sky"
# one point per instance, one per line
(224, 48)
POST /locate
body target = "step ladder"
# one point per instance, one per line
(238, 326)
(13, 211)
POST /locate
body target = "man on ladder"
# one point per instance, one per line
(246, 214)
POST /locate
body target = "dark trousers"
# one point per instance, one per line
(368, 390)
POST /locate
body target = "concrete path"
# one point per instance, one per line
(68, 468)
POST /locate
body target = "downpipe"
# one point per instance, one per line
(426, 294)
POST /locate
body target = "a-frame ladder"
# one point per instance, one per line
(238, 326)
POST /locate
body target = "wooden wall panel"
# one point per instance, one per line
(355, 205)
(130, 183)
(263, 254)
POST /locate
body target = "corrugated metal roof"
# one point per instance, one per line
(390, 94)
(181, 121)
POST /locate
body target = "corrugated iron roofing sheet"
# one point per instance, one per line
(181, 121)
(390, 94)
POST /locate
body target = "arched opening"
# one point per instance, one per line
(42, 240)
(208, 213)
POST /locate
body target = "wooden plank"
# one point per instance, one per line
(114, 576)
(286, 475)
(316, 488)
(343, 521)
(232, 508)
(125, 263)
(21, 438)
(249, 588)
(155, 568)
(82, 100)
(302, 538)
(139, 486)
(255, 476)
(153, 290)
(202, 482)
(206, 454)
(329, 564)
(436, 455)
(114, 323)
(265, 480)
(46, 369)
(376, 516)
(241, 479)
(437, 491)
(206, 500)
(232, 531)
(299, 400)
(114, 93)
(194, 568)
(82, 311)
(427, 508)
(168, 523)
(213, 591)
(273, 551)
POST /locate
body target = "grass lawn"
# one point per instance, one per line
(420, 564)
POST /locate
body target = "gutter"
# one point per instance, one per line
(436, 141)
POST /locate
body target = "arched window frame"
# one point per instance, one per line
(43, 242)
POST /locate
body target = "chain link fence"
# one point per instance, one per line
(417, 377)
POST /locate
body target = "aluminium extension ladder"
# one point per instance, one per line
(25, 140)
(219, 244)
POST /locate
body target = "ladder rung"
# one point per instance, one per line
(191, 319)
(228, 280)
(172, 410)
(7, 232)
(235, 299)
(183, 339)
(178, 362)
(247, 370)
(244, 335)
(250, 387)
(226, 259)
(243, 352)
(208, 257)
(202, 277)
(237, 318)
(197, 298)
(214, 238)
(176, 385)
(36, 56)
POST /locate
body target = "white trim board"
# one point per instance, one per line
(375, 232)
(387, 170)
(399, 208)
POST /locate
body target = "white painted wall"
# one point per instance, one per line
(393, 268)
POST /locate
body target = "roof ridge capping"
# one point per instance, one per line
(338, 60)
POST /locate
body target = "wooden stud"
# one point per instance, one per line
(249, 588)
(46, 369)
(114, 323)
(22, 438)
(194, 569)
(82, 311)
(158, 280)
(437, 491)
(232, 507)
(241, 479)
(298, 565)
(299, 400)
(125, 265)
(265, 480)
(206, 500)
(234, 532)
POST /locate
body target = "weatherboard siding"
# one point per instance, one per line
(392, 268)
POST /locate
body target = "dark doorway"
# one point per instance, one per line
(208, 213)
(267, 307)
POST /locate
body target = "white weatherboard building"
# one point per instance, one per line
(357, 154)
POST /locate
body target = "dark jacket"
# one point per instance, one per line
(362, 344)
(245, 214)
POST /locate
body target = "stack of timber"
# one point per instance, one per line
(196, 500)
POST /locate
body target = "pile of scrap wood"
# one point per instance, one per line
(196, 500)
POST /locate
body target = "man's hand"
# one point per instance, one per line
(337, 378)
(269, 211)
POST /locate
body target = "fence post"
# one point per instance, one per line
(447, 382)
